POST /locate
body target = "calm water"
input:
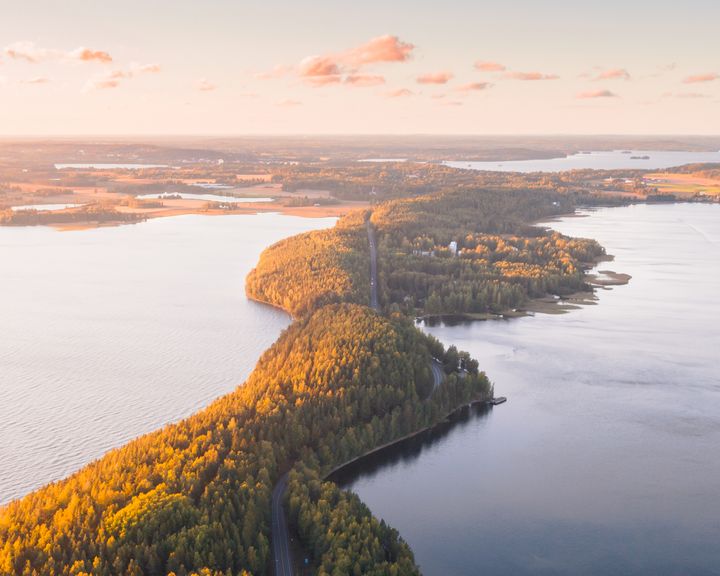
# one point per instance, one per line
(112, 332)
(206, 197)
(44, 207)
(606, 458)
(102, 166)
(607, 160)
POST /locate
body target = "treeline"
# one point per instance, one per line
(499, 259)
(196, 495)
(310, 270)
(90, 213)
(475, 251)
(387, 180)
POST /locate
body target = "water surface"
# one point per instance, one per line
(606, 457)
(44, 207)
(596, 160)
(105, 166)
(112, 332)
(206, 197)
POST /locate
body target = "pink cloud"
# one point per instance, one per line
(596, 94)
(88, 55)
(347, 66)
(113, 78)
(364, 80)
(488, 66)
(319, 66)
(400, 93)
(435, 78)
(530, 76)
(145, 69)
(473, 87)
(701, 78)
(320, 71)
(381, 49)
(102, 84)
(613, 74)
(29, 52)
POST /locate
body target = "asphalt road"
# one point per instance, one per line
(280, 535)
(374, 303)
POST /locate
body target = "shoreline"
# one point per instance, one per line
(242, 209)
(429, 428)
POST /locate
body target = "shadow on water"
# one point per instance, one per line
(410, 449)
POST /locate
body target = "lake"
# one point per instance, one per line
(606, 457)
(206, 197)
(102, 166)
(596, 160)
(44, 207)
(110, 333)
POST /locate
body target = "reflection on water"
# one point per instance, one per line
(410, 449)
(112, 332)
(606, 457)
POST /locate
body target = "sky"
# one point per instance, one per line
(225, 67)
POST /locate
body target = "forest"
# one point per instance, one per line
(304, 272)
(501, 259)
(475, 251)
(194, 497)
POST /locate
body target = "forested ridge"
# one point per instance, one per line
(307, 271)
(501, 261)
(472, 251)
(196, 495)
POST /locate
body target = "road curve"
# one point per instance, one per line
(374, 302)
(280, 535)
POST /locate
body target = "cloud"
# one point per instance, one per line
(698, 78)
(36, 80)
(347, 66)
(488, 66)
(364, 80)
(530, 76)
(381, 49)
(473, 87)
(596, 94)
(145, 69)
(114, 78)
(400, 93)
(613, 74)
(204, 85)
(101, 84)
(434, 78)
(320, 70)
(88, 55)
(288, 103)
(29, 52)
